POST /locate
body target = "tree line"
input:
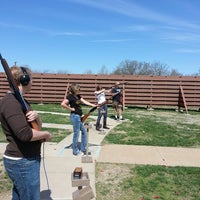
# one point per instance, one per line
(133, 67)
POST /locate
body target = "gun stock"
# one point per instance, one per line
(16, 91)
(84, 117)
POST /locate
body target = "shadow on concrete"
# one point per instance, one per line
(79, 145)
(45, 195)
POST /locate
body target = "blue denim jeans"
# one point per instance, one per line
(77, 127)
(25, 175)
(105, 109)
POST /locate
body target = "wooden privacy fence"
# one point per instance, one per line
(183, 91)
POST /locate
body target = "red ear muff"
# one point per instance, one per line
(25, 78)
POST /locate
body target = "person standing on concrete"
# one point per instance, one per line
(117, 101)
(103, 110)
(73, 103)
(22, 155)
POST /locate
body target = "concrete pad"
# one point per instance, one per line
(56, 175)
(175, 156)
(133, 154)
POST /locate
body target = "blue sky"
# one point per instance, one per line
(77, 36)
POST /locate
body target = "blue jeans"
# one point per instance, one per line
(77, 127)
(105, 109)
(25, 175)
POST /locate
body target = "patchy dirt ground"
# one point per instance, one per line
(108, 180)
(172, 117)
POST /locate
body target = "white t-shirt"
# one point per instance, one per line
(101, 98)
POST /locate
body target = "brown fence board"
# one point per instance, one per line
(139, 90)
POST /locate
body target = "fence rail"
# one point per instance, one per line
(177, 91)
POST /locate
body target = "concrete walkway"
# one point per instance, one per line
(58, 163)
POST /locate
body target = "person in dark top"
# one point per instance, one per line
(73, 103)
(22, 155)
(116, 101)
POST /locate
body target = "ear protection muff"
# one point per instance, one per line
(25, 78)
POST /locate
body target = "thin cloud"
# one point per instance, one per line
(41, 30)
(112, 40)
(191, 51)
(67, 34)
(136, 11)
(136, 28)
(181, 37)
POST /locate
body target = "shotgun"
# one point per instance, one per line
(67, 90)
(16, 91)
(84, 117)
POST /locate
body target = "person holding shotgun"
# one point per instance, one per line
(22, 155)
(73, 103)
(117, 104)
(103, 110)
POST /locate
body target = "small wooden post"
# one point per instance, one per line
(183, 99)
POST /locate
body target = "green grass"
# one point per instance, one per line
(2, 136)
(57, 108)
(54, 118)
(157, 128)
(49, 108)
(58, 134)
(146, 182)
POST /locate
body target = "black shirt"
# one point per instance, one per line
(117, 96)
(75, 102)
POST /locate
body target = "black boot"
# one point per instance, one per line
(105, 126)
(97, 126)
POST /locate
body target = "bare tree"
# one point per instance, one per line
(159, 69)
(142, 68)
(127, 67)
(89, 71)
(145, 69)
(174, 72)
(103, 70)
